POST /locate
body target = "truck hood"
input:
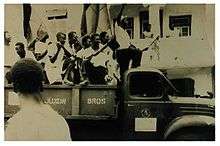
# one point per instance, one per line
(193, 100)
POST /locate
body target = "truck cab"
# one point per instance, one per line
(154, 111)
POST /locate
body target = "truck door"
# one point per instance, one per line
(146, 106)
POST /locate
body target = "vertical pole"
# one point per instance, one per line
(75, 101)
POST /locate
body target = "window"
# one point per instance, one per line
(181, 24)
(145, 84)
(144, 23)
(56, 14)
(130, 27)
(185, 86)
(57, 21)
(184, 31)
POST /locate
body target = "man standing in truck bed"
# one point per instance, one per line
(127, 51)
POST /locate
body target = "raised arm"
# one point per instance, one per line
(118, 18)
(53, 58)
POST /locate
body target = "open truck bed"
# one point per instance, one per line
(90, 111)
(93, 102)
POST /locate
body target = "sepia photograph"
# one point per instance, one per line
(109, 72)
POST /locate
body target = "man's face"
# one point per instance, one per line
(73, 39)
(96, 40)
(62, 39)
(124, 22)
(20, 51)
(88, 43)
(7, 37)
(105, 39)
(77, 46)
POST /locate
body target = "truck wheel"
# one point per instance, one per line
(190, 135)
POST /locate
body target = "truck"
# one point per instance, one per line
(146, 106)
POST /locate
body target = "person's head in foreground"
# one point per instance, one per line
(35, 120)
(27, 76)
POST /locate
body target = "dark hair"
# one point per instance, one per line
(93, 36)
(60, 34)
(71, 34)
(103, 34)
(27, 76)
(84, 39)
(20, 44)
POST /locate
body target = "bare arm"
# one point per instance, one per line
(54, 57)
(118, 19)
(39, 56)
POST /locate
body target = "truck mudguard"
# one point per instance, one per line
(188, 121)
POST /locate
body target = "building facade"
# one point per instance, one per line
(186, 44)
(186, 34)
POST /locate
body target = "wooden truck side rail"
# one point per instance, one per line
(92, 102)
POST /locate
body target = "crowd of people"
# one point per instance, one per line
(76, 60)
(89, 59)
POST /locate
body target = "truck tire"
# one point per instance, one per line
(191, 134)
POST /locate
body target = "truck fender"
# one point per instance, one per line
(188, 121)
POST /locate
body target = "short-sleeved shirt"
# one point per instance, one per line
(107, 51)
(29, 54)
(52, 51)
(40, 48)
(100, 59)
(84, 53)
(37, 123)
(54, 70)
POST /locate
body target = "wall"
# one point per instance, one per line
(14, 24)
(194, 54)
(194, 51)
(198, 19)
(202, 77)
(181, 51)
(72, 23)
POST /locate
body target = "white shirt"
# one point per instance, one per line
(107, 51)
(99, 60)
(52, 51)
(37, 123)
(29, 54)
(40, 47)
(84, 53)
(54, 70)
